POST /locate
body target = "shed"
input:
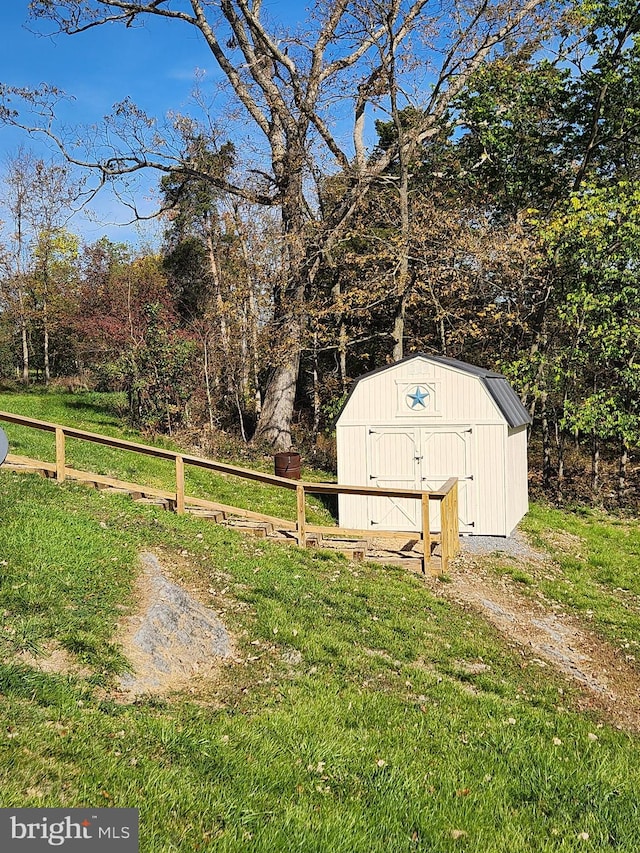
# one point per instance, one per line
(418, 422)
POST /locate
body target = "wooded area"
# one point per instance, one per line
(461, 181)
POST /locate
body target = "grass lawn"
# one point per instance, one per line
(596, 573)
(96, 412)
(353, 719)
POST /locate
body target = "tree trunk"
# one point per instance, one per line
(316, 390)
(253, 314)
(252, 310)
(25, 349)
(244, 355)
(207, 379)
(24, 332)
(398, 328)
(274, 427)
(45, 341)
(560, 441)
(595, 465)
(546, 443)
(220, 310)
(622, 470)
(402, 284)
(336, 293)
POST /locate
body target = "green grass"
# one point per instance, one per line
(350, 721)
(598, 560)
(97, 412)
(377, 740)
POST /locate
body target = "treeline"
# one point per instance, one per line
(507, 236)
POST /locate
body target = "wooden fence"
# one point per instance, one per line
(447, 496)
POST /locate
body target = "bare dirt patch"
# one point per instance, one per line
(172, 640)
(53, 659)
(549, 637)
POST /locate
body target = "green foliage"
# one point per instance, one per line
(157, 375)
(514, 118)
(594, 241)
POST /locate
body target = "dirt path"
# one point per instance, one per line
(549, 638)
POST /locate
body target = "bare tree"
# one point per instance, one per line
(300, 90)
(15, 198)
(40, 197)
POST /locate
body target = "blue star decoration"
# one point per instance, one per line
(417, 399)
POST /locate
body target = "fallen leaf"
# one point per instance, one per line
(458, 833)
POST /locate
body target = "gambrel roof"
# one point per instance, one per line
(496, 385)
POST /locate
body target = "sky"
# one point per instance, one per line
(156, 65)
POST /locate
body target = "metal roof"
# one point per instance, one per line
(497, 386)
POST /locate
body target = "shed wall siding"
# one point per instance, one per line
(517, 477)
(352, 471)
(489, 477)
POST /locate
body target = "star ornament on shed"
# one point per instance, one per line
(417, 399)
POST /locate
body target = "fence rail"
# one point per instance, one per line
(447, 496)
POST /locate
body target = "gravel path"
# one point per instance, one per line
(515, 545)
(172, 639)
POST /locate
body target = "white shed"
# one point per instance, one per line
(417, 422)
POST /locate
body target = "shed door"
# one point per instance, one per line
(393, 459)
(447, 452)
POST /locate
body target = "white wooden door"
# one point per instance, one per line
(393, 457)
(448, 452)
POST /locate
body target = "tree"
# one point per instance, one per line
(40, 197)
(299, 90)
(54, 290)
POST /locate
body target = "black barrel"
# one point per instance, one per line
(287, 464)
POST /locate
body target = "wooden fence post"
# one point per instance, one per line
(455, 544)
(449, 536)
(445, 532)
(179, 485)
(60, 456)
(301, 521)
(426, 533)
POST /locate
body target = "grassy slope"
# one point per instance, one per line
(597, 569)
(351, 724)
(95, 412)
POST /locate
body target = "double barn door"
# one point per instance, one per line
(419, 458)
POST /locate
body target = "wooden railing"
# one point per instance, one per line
(447, 496)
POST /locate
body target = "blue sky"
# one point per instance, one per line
(155, 65)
